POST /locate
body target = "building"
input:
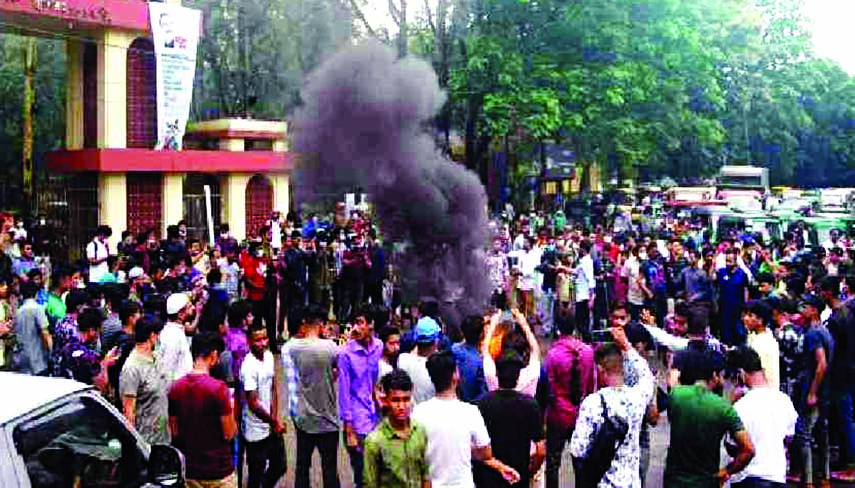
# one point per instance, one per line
(113, 175)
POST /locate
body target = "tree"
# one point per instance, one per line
(254, 53)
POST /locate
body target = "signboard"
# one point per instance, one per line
(175, 32)
(112, 13)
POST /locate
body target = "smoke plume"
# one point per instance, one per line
(362, 125)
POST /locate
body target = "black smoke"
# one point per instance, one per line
(363, 125)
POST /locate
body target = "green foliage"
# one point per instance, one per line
(48, 108)
(650, 84)
(254, 53)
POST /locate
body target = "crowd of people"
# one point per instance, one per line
(589, 339)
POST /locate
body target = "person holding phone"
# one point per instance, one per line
(79, 359)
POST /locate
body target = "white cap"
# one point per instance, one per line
(135, 273)
(176, 302)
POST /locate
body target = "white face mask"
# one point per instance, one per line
(642, 255)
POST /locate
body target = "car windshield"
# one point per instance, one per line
(79, 443)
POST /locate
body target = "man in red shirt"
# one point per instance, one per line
(201, 419)
(254, 266)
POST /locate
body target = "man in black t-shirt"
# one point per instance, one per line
(513, 421)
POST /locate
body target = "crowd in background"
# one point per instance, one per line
(590, 337)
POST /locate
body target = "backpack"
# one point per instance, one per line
(607, 438)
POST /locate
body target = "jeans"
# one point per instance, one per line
(845, 410)
(292, 299)
(732, 330)
(556, 439)
(812, 427)
(357, 461)
(351, 297)
(582, 314)
(752, 482)
(327, 445)
(266, 461)
(546, 307)
(644, 464)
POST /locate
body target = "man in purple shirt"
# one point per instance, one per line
(570, 369)
(359, 365)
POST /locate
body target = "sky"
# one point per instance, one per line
(833, 32)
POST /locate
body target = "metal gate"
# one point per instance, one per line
(69, 206)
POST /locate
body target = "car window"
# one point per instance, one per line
(81, 444)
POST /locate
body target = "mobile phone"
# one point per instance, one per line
(602, 336)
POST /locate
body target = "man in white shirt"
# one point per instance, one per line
(97, 252)
(585, 286)
(833, 241)
(769, 418)
(275, 224)
(415, 363)
(757, 317)
(635, 293)
(175, 352)
(456, 431)
(262, 429)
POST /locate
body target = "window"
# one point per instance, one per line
(79, 443)
(741, 180)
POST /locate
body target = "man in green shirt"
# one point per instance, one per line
(55, 307)
(560, 221)
(395, 453)
(699, 420)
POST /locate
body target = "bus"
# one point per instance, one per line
(748, 177)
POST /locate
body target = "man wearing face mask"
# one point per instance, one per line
(292, 282)
(355, 264)
(226, 242)
(97, 253)
(254, 268)
(655, 283)
(143, 385)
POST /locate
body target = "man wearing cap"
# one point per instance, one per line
(175, 348)
(415, 363)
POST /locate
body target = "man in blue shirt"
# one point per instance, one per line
(733, 293)
(470, 363)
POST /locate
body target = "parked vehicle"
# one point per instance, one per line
(59, 433)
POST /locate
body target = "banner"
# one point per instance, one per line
(175, 32)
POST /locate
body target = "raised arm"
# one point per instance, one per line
(529, 335)
(490, 375)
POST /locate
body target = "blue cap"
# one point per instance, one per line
(427, 330)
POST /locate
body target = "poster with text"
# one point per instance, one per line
(175, 33)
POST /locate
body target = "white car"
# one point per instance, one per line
(58, 433)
